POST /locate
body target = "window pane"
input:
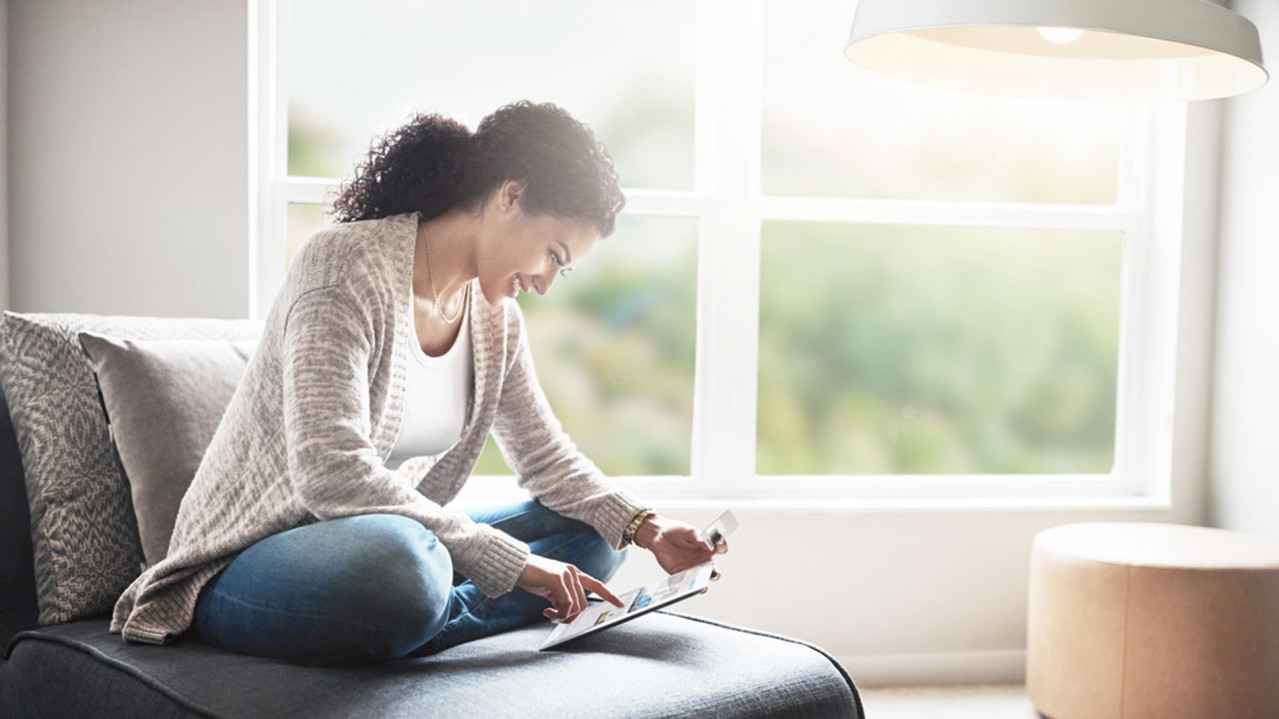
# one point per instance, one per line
(614, 343)
(357, 70)
(928, 350)
(304, 220)
(831, 128)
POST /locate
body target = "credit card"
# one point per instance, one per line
(724, 525)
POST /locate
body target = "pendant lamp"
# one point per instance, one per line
(1096, 50)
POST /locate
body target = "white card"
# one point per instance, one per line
(724, 525)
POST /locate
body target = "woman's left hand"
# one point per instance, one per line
(676, 545)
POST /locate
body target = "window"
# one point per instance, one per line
(937, 350)
(826, 282)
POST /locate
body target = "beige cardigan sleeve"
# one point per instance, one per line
(546, 461)
(332, 463)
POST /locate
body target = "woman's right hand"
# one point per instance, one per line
(563, 585)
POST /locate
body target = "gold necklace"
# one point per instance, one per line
(435, 296)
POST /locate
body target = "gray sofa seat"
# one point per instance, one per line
(662, 665)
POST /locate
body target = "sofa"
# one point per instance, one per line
(60, 660)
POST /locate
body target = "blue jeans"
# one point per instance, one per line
(376, 587)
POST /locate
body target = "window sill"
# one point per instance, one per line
(917, 504)
(482, 490)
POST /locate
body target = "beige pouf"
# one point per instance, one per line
(1146, 621)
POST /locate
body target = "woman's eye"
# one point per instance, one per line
(559, 263)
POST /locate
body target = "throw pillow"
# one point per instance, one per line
(83, 530)
(164, 400)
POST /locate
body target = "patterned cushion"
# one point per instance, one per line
(83, 528)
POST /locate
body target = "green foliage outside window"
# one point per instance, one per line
(905, 349)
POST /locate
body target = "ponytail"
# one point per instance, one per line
(434, 165)
(421, 166)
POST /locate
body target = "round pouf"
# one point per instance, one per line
(1146, 621)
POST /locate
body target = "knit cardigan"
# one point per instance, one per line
(308, 431)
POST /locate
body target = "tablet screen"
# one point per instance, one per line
(601, 615)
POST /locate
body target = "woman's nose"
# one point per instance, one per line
(543, 283)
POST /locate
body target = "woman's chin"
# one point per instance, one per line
(489, 296)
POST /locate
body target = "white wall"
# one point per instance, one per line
(1244, 492)
(129, 174)
(898, 595)
(4, 156)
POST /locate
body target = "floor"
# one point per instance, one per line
(988, 701)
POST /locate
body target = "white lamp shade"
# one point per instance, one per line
(1096, 50)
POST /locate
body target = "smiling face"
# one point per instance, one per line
(521, 252)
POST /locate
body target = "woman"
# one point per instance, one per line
(315, 528)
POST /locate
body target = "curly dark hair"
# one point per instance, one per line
(434, 165)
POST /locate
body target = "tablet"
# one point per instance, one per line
(601, 615)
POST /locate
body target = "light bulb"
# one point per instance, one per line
(1060, 35)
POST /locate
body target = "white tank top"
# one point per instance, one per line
(436, 397)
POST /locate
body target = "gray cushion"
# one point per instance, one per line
(660, 665)
(164, 400)
(83, 531)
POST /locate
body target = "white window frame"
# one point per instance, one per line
(727, 201)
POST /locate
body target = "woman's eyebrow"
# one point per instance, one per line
(568, 256)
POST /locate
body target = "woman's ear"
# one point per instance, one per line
(511, 193)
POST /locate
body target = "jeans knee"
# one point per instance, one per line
(413, 586)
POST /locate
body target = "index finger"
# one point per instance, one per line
(598, 587)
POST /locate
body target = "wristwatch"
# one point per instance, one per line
(628, 536)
